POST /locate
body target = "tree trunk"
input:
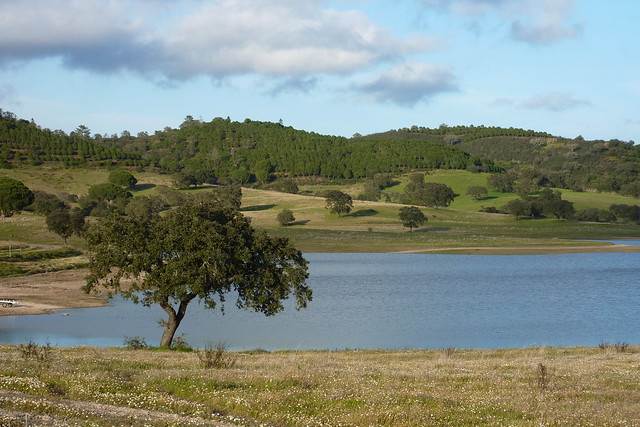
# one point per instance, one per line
(173, 321)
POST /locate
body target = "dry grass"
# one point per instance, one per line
(360, 388)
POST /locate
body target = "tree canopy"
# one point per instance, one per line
(201, 250)
(14, 196)
(412, 217)
(339, 202)
(123, 178)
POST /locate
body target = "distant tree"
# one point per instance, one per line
(198, 251)
(229, 196)
(415, 184)
(519, 208)
(412, 217)
(437, 195)
(45, 203)
(631, 189)
(123, 178)
(77, 220)
(59, 222)
(477, 192)
(503, 182)
(528, 182)
(626, 213)
(551, 204)
(595, 215)
(14, 196)
(108, 192)
(140, 207)
(285, 217)
(286, 185)
(82, 131)
(339, 202)
(263, 171)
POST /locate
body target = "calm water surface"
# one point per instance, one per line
(397, 301)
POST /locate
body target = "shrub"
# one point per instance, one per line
(135, 343)
(285, 217)
(56, 389)
(285, 185)
(45, 203)
(33, 351)
(477, 192)
(216, 357)
(123, 178)
(180, 344)
(542, 377)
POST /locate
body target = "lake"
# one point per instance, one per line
(396, 301)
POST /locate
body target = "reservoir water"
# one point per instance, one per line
(396, 301)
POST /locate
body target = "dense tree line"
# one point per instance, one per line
(24, 142)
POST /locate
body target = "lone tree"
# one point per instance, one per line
(123, 178)
(412, 217)
(14, 196)
(201, 250)
(437, 195)
(339, 202)
(477, 192)
(285, 217)
(59, 221)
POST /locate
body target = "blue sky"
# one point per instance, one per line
(565, 66)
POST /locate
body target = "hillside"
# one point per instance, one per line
(574, 164)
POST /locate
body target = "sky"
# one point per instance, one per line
(569, 67)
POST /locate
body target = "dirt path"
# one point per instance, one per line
(46, 292)
(112, 415)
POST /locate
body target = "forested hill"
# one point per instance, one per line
(229, 151)
(559, 162)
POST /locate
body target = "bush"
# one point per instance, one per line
(595, 215)
(33, 351)
(123, 178)
(285, 217)
(135, 343)
(45, 203)
(285, 185)
(180, 344)
(477, 192)
(216, 357)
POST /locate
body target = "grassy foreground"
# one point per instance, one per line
(544, 386)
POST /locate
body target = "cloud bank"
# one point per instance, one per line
(180, 40)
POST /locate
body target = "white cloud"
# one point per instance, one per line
(286, 38)
(408, 84)
(535, 22)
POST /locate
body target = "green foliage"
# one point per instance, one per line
(23, 142)
(520, 208)
(285, 185)
(436, 195)
(478, 192)
(412, 217)
(263, 170)
(285, 217)
(339, 202)
(14, 196)
(595, 215)
(504, 182)
(198, 251)
(135, 343)
(123, 178)
(59, 222)
(626, 213)
(107, 192)
(45, 203)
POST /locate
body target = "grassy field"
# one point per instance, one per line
(529, 387)
(372, 226)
